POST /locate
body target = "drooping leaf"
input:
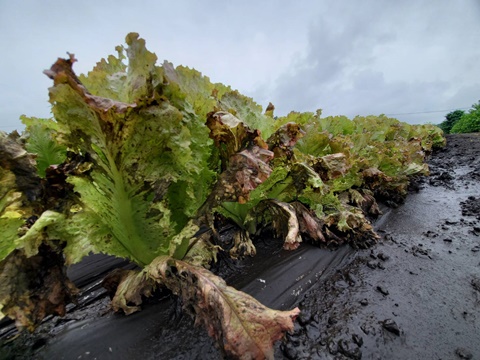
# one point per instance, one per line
(139, 177)
(285, 223)
(245, 328)
(232, 136)
(129, 287)
(247, 170)
(282, 141)
(309, 224)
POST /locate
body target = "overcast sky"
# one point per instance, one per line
(346, 57)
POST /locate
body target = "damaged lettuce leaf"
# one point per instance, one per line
(20, 190)
(243, 327)
(379, 144)
(32, 287)
(145, 172)
(232, 136)
(33, 281)
(371, 156)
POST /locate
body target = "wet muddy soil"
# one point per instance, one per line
(415, 295)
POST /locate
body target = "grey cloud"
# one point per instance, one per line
(371, 58)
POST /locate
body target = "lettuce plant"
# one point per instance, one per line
(140, 157)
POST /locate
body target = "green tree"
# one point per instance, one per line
(469, 122)
(450, 120)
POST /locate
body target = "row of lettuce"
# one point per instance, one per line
(148, 162)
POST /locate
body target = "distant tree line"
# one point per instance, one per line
(459, 121)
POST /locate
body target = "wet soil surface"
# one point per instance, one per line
(415, 295)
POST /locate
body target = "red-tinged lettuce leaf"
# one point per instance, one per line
(331, 166)
(230, 197)
(310, 225)
(243, 327)
(283, 140)
(231, 135)
(362, 198)
(246, 171)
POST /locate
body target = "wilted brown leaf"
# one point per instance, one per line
(231, 135)
(243, 327)
(129, 286)
(285, 223)
(34, 287)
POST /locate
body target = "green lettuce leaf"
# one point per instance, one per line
(248, 112)
(147, 171)
(41, 142)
